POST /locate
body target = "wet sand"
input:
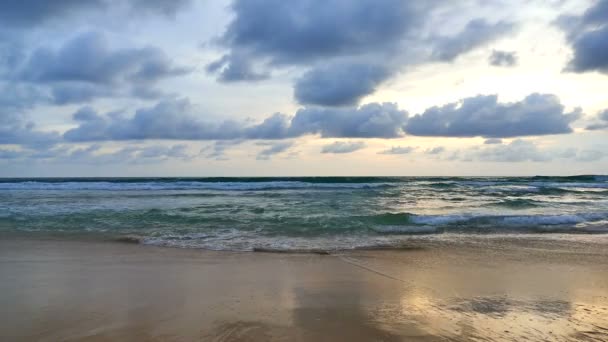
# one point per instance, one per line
(53, 290)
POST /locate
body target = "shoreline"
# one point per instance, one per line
(57, 289)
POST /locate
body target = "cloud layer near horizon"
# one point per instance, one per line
(537, 114)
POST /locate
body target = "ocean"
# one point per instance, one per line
(305, 213)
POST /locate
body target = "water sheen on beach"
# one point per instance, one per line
(308, 213)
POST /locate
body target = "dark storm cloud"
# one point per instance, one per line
(588, 36)
(399, 150)
(342, 147)
(537, 114)
(476, 33)
(23, 13)
(503, 58)
(340, 84)
(373, 120)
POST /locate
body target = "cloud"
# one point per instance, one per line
(493, 141)
(164, 7)
(74, 93)
(19, 133)
(172, 119)
(339, 85)
(520, 150)
(219, 148)
(169, 119)
(590, 155)
(503, 58)
(10, 154)
(88, 58)
(588, 36)
(86, 67)
(435, 150)
(288, 33)
(15, 100)
(476, 33)
(537, 114)
(27, 13)
(155, 152)
(177, 119)
(236, 68)
(399, 150)
(603, 121)
(516, 151)
(372, 120)
(590, 52)
(276, 126)
(347, 49)
(32, 12)
(95, 154)
(273, 149)
(341, 147)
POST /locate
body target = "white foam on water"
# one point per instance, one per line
(536, 220)
(440, 219)
(405, 229)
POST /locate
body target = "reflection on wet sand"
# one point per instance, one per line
(93, 291)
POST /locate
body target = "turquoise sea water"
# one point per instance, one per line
(304, 213)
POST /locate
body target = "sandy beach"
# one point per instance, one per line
(60, 290)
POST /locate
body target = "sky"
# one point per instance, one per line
(303, 88)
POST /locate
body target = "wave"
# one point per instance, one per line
(185, 185)
(329, 244)
(407, 223)
(301, 233)
(518, 203)
(447, 185)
